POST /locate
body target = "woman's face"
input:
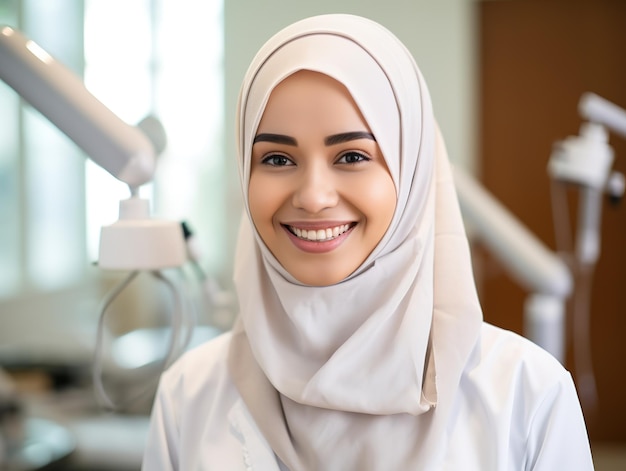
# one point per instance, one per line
(320, 194)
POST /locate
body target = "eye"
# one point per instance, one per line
(276, 160)
(352, 157)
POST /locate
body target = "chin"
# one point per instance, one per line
(320, 278)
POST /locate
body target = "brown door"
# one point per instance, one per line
(536, 59)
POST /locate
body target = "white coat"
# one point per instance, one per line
(516, 409)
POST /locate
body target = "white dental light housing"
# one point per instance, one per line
(135, 241)
(138, 242)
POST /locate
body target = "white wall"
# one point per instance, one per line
(439, 33)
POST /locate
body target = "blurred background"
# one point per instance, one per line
(505, 78)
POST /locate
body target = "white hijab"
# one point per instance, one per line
(358, 375)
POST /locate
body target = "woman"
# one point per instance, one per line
(360, 342)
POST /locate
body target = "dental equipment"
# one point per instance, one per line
(585, 161)
(136, 242)
(526, 259)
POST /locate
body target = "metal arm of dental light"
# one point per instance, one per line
(135, 241)
(525, 257)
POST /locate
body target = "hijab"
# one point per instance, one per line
(360, 374)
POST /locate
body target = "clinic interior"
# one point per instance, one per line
(77, 337)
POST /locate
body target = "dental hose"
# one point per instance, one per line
(173, 350)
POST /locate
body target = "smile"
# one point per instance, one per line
(316, 235)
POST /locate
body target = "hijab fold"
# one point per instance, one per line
(349, 372)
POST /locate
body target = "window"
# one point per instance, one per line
(159, 57)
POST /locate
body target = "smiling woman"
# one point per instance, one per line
(320, 193)
(360, 342)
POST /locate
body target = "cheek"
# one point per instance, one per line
(378, 196)
(263, 201)
(386, 208)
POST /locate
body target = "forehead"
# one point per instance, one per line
(309, 101)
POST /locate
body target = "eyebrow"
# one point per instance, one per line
(329, 141)
(275, 138)
(348, 136)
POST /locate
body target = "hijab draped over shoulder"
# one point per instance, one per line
(361, 374)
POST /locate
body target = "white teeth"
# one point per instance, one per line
(320, 234)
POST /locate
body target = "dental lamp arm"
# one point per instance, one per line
(135, 241)
(52, 89)
(525, 258)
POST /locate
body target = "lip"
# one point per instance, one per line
(315, 225)
(318, 246)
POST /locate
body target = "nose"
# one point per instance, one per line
(315, 190)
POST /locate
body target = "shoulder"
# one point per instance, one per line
(197, 385)
(527, 395)
(539, 400)
(200, 370)
(525, 402)
(515, 357)
(208, 354)
(513, 381)
(190, 424)
(513, 373)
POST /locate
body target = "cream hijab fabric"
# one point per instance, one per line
(358, 375)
